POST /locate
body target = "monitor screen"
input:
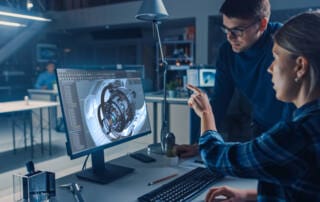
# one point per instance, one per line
(101, 108)
(201, 77)
(207, 77)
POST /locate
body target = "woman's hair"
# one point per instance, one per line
(246, 9)
(301, 36)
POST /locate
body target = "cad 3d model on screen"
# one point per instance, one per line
(113, 110)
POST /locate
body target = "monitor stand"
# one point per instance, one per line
(102, 172)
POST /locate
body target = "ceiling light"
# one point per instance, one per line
(29, 5)
(30, 17)
(12, 24)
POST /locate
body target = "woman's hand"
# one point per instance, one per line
(187, 151)
(231, 194)
(199, 101)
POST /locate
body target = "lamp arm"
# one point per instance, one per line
(159, 41)
(164, 127)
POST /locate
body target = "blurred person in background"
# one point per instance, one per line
(47, 79)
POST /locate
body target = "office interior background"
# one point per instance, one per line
(105, 34)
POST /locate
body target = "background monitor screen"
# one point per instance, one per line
(201, 77)
(207, 77)
(101, 108)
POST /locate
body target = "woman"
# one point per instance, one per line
(286, 158)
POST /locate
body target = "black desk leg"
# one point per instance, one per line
(49, 122)
(25, 131)
(41, 130)
(13, 134)
(31, 134)
(155, 123)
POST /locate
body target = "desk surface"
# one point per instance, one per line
(22, 105)
(130, 187)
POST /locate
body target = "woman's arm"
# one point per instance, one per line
(272, 157)
(199, 102)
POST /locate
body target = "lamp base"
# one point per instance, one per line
(155, 148)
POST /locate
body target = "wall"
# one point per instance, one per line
(68, 24)
(123, 14)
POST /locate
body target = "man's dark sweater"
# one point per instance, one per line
(247, 71)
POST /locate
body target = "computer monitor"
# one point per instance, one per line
(201, 77)
(207, 77)
(101, 108)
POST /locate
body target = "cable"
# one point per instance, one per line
(85, 163)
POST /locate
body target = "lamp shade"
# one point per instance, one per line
(152, 10)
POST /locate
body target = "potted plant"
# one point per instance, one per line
(171, 87)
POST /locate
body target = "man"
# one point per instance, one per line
(242, 63)
(46, 79)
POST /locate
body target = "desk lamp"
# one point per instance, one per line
(155, 12)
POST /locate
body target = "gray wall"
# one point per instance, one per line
(123, 14)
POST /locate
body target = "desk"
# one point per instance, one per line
(47, 95)
(131, 186)
(53, 93)
(22, 106)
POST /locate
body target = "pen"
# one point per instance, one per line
(162, 179)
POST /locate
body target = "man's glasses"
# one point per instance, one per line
(237, 31)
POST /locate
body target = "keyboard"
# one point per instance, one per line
(183, 188)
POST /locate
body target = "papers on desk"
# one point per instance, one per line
(191, 163)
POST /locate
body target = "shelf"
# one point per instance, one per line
(180, 59)
(179, 55)
(177, 42)
(181, 67)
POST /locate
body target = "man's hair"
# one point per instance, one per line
(246, 9)
(300, 36)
